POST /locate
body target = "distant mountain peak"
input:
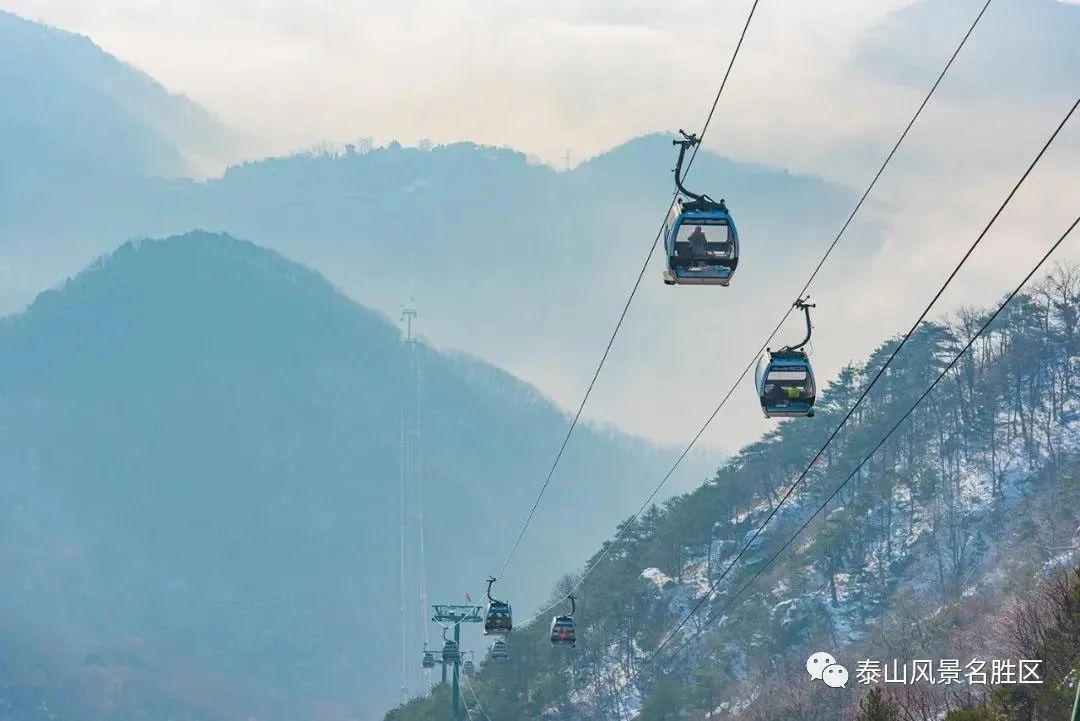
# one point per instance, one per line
(76, 109)
(1027, 46)
(212, 269)
(212, 434)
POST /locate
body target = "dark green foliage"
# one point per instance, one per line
(664, 701)
(977, 713)
(910, 517)
(1045, 626)
(436, 708)
(876, 706)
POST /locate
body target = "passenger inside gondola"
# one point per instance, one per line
(700, 250)
(697, 243)
(784, 386)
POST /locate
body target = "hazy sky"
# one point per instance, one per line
(548, 76)
(543, 77)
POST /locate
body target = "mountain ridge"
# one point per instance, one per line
(488, 245)
(76, 110)
(956, 536)
(207, 434)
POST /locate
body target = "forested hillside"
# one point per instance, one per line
(489, 244)
(935, 549)
(199, 484)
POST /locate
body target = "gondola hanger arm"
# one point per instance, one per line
(805, 307)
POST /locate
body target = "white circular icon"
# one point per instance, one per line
(835, 676)
(816, 664)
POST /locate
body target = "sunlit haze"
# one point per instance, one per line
(563, 77)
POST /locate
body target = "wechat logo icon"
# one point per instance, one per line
(823, 667)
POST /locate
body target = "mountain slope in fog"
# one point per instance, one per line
(203, 438)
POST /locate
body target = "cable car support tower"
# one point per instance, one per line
(448, 613)
(413, 570)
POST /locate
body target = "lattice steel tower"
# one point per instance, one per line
(414, 603)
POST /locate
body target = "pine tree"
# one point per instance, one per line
(878, 707)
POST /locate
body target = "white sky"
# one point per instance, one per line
(542, 77)
(548, 76)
